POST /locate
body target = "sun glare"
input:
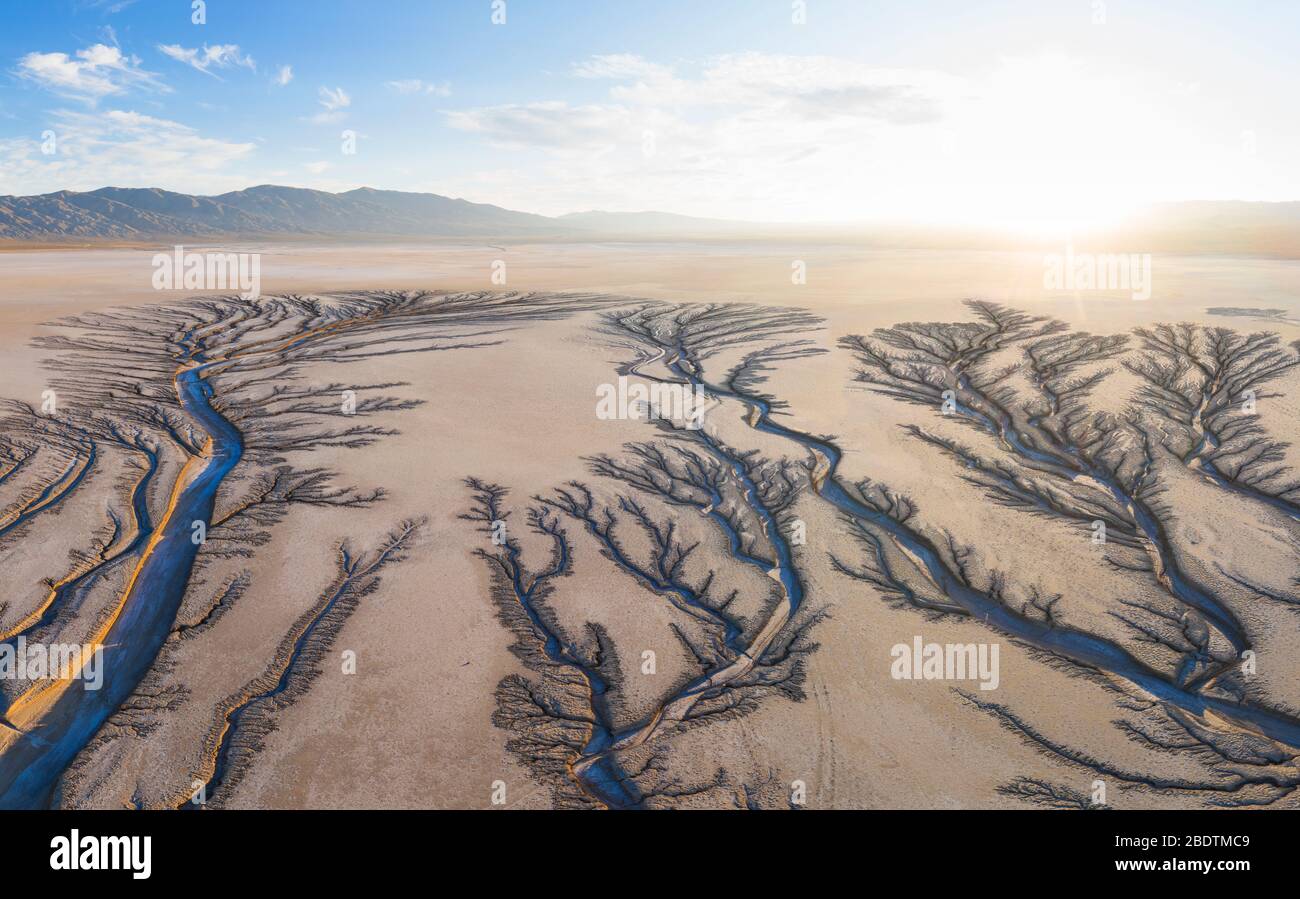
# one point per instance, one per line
(1045, 148)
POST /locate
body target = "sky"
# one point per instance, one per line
(1027, 114)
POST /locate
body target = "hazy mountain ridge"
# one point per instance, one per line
(125, 214)
(114, 213)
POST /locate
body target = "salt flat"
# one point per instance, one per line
(437, 711)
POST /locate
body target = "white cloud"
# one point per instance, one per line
(95, 72)
(1038, 141)
(811, 86)
(284, 75)
(124, 149)
(110, 7)
(218, 56)
(554, 126)
(622, 66)
(765, 95)
(334, 101)
(317, 167)
(416, 86)
(739, 135)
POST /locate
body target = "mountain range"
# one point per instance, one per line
(149, 214)
(117, 213)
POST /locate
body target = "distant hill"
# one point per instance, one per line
(148, 214)
(115, 213)
(1227, 227)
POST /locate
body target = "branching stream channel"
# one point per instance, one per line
(52, 722)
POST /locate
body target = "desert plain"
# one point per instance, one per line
(426, 572)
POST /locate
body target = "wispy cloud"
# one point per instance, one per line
(416, 86)
(620, 65)
(334, 101)
(744, 91)
(122, 148)
(95, 72)
(284, 75)
(806, 86)
(703, 137)
(551, 125)
(335, 98)
(218, 56)
(110, 7)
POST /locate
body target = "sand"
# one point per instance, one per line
(419, 722)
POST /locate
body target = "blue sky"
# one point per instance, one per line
(997, 112)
